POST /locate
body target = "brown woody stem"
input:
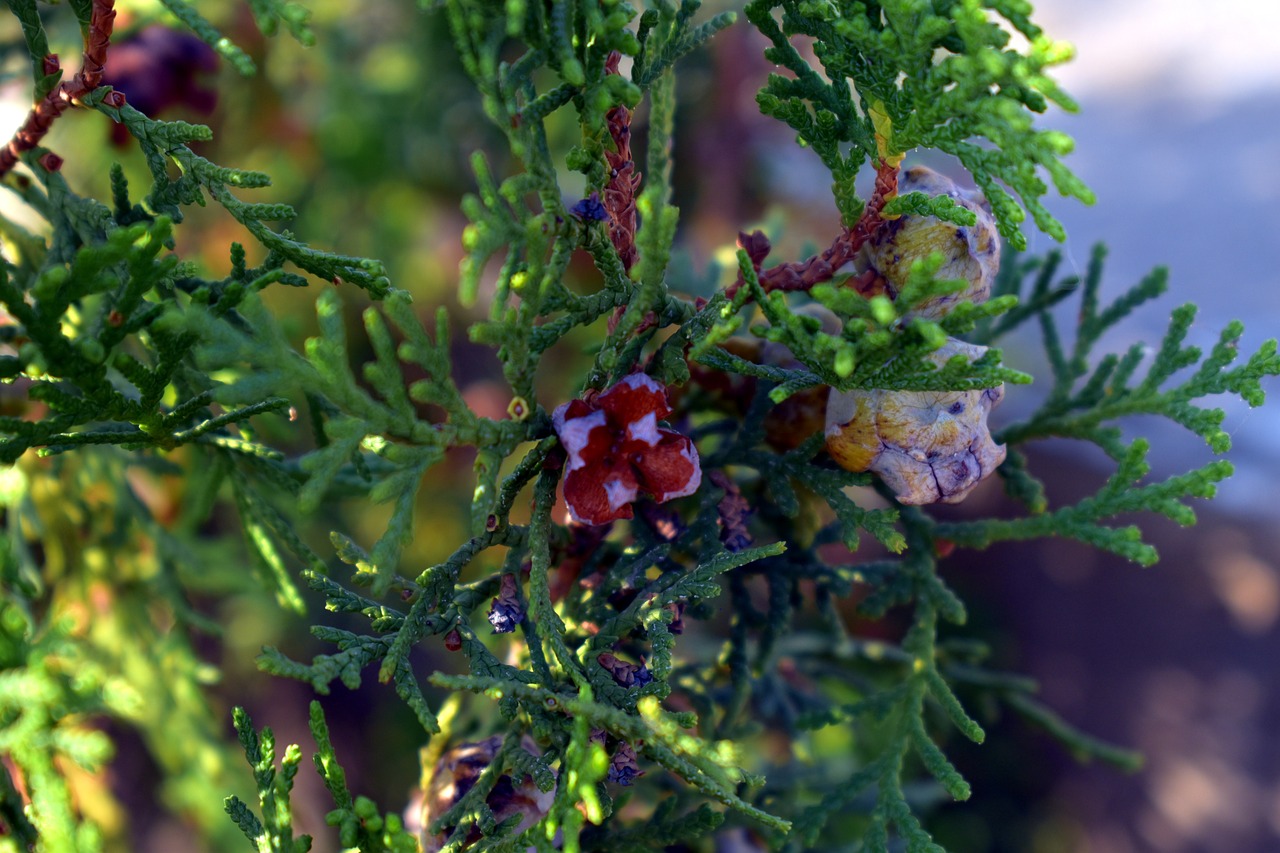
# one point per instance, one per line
(803, 275)
(620, 192)
(54, 104)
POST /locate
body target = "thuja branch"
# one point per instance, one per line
(708, 767)
(899, 75)
(56, 101)
(803, 275)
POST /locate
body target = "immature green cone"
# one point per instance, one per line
(972, 253)
(927, 446)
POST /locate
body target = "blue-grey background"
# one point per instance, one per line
(1180, 137)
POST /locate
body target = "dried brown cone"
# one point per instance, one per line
(457, 772)
(734, 510)
(506, 611)
(624, 673)
(623, 767)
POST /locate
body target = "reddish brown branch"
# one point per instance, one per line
(803, 275)
(624, 180)
(620, 192)
(54, 104)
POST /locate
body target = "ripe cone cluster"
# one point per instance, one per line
(927, 446)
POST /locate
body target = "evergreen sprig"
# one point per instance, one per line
(108, 375)
(134, 662)
(107, 293)
(168, 142)
(359, 824)
(145, 365)
(903, 74)
(880, 345)
(1088, 394)
(47, 690)
(1091, 394)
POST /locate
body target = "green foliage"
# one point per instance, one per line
(187, 14)
(880, 344)
(905, 74)
(1086, 401)
(1086, 398)
(40, 704)
(79, 328)
(97, 629)
(771, 715)
(359, 825)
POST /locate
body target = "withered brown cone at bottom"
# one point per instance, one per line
(927, 446)
(456, 774)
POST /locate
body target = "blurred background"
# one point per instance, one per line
(1179, 138)
(369, 133)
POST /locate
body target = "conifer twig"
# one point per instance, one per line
(56, 102)
(803, 275)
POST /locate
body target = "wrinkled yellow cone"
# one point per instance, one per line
(971, 253)
(927, 446)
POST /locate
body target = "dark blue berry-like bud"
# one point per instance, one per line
(590, 208)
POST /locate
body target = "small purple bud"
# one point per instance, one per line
(624, 673)
(623, 768)
(590, 208)
(624, 776)
(506, 612)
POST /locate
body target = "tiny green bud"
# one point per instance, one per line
(882, 309)
(1219, 442)
(50, 282)
(170, 322)
(844, 362)
(617, 19)
(470, 237)
(622, 89)
(572, 72)
(136, 234)
(32, 359)
(365, 808)
(685, 719)
(627, 43)
(579, 159)
(92, 350)
(930, 331)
